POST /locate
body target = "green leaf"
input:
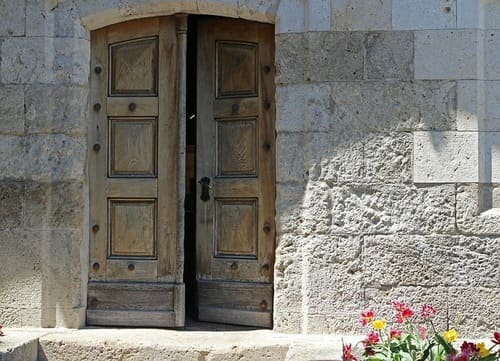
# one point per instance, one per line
(491, 357)
(447, 346)
(426, 353)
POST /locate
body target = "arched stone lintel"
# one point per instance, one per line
(95, 17)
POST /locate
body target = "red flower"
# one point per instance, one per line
(396, 333)
(423, 331)
(372, 338)
(347, 353)
(404, 311)
(427, 312)
(496, 339)
(468, 348)
(366, 317)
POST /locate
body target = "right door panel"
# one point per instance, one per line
(235, 157)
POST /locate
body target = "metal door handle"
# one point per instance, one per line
(205, 187)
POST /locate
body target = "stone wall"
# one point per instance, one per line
(387, 155)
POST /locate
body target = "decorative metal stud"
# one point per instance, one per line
(265, 267)
(97, 107)
(267, 146)
(96, 147)
(95, 228)
(263, 304)
(131, 267)
(267, 105)
(235, 107)
(98, 69)
(266, 228)
(96, 266)
(267, 69)
(132, 107)
(234, 266)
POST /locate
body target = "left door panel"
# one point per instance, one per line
(134, 272)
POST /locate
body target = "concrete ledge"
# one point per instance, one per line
(20, 344)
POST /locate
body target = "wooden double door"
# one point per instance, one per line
(137, 168)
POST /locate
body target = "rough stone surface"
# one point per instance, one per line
(12, 157)
(291, 17)
(492, 55)
(393, 105)
(389, 55)
(319, 13)
(56, 109)
(447, 54)
(11, 109)
(361, 14)
(290, 58)
(445, 157)
(335, 56)
(11, 194)
(423, 14)
(13, 17)
(472, 213)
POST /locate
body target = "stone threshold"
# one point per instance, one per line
(98, 344)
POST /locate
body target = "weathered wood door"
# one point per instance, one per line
(236, 171)
(134, 278)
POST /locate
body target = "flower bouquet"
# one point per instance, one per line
(415, 339)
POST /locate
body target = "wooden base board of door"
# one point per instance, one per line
(241, 303)
(135, 304)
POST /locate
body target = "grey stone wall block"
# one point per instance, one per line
(429, 261)
(21, 317)
(387, 157)
(55, 156)
(447, 54)
(13, 17)
(361, 14)
(315, 214)
(12, 157)
(11, 211)
(491, 110)
(468, 14)
(291, 17)
(471, 214)
(45, 60)
(11, 109)
(56, 109)
(489, 157)
(387, 209)
(289, 198)
(303, 107)
(290, 165)
(219, 7)
(424, 14)
(291, 50)
(389, 55)
(392, 105)
(54, 19)
(492, 54)
(248, 8)
(335, 56)
(471, 105)
(445, 157)
(54, 205)
(318, 15)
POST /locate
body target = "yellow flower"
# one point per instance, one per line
(379, 324)
(450, 335)
(483, 351)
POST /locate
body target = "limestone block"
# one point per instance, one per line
(468, 14)
(492, 106)
(471, 218)
(21, 317)
(318, 13)
(492, 54)
(11, 211)
(430, 261)
(335, 56)
(54, 205)
(290, 58)
(227, 8)
(54, 19)
(249, 9)
(489, 157)
(12, 157)
(392, 105)
(445, 54)
(291, 17)
(288, 207)
(315, 216)
(471, 105)
(423, 14)
(445, 157)
(490, 11)
(11, 109)
(477, 307)
(45, 60)
(55, 156)
(391, 208)
(387, 157)
(361, 15)
(13, 17)
(303, 107)
(389, 55)
(56, 109)
(289, 162)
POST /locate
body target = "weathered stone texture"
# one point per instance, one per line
(392, 105)
(386, 209)
(45, 60)
(13, 17)
(335, 56)
(361, 14)
(424, 14)
(492, 54)
(12, 157)
(11, 210)
(11, 109)
(470, 214)
(389, 55)
(55, 156)
(429, 261)
(291, 54)
(445, 157)
(52, 109)
(291, 17)
(447, 54)
(54, 205)
(319, 15)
